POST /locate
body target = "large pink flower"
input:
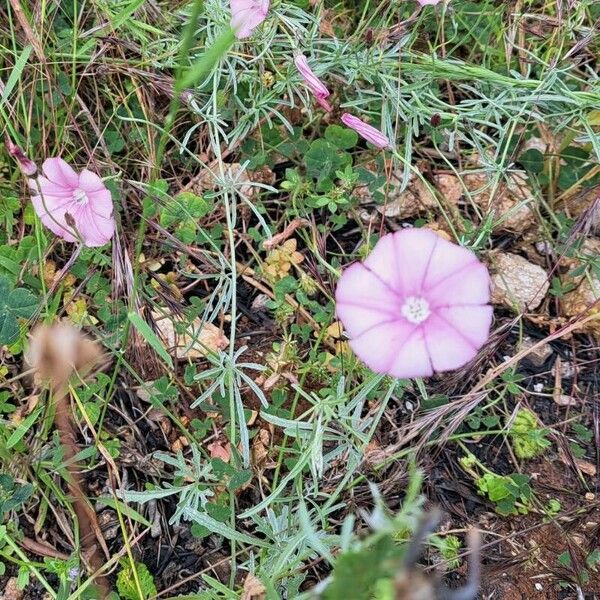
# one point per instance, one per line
(247, 15)
(416, 305)
(73, 205)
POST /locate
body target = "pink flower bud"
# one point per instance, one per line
(314, 84)
(27, 166)
(366, 131)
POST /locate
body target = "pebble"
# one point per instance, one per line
(518, 282)
(539, 355)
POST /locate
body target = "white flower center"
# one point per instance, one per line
(80, 196)
(415, 309)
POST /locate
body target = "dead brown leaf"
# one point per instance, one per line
(253, 589)
(198, 340)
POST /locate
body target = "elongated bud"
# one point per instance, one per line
(27, 166)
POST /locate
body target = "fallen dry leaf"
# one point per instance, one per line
(198, 340)
(218, 450)
(253, 589)
(510, 202)
(517, 281)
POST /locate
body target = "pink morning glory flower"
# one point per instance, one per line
(376, 137)
(426, 2)
(417, 305)
(247, 15)
(73, 205)
(314, 84)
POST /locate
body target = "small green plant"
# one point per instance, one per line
(510, 494)
(528, 440)
(127, 587)
(14, 304)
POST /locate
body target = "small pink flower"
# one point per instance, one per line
(314, 84)
(365, 130)
(426, 2)
(417, 305)
(27, 166)
(247, 15)
(73, 205)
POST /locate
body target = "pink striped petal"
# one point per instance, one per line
(246, 15)
(412, 358)
(469, 285)
(448, 347)
(316, 86)
(473, 322)
(60, 172)
(395, 261)
(376, 137)
(379, 347)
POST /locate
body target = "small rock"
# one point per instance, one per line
(538, 356)
(539, 587)
(544, 248)
(590, 496)
(564, 400)
(517, 281)
(11, 591)
(449, 186)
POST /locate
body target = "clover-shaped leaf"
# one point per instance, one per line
(14, 303)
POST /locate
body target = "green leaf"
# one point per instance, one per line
(13, 304)
(532, 160)
(323, 159)
(341, 137)
(146, 332)
(23, 428)
(127, 587)
(222, 529)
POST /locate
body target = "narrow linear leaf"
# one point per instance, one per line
(223, 529)
(146, 332)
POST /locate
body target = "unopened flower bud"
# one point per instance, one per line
(27, 166)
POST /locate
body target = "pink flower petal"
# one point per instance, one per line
(447, 346)
(101, 200)
(246, 15)
(51, 211)
(395, 261)
(47, 187)
(370, 133)
(314, 84)
(447, 259)
(380, 346)
(469, 285)
(90, 182)
(412, 358)
(93, 228)
(60, 172)
(360, 286)
(473, 322)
